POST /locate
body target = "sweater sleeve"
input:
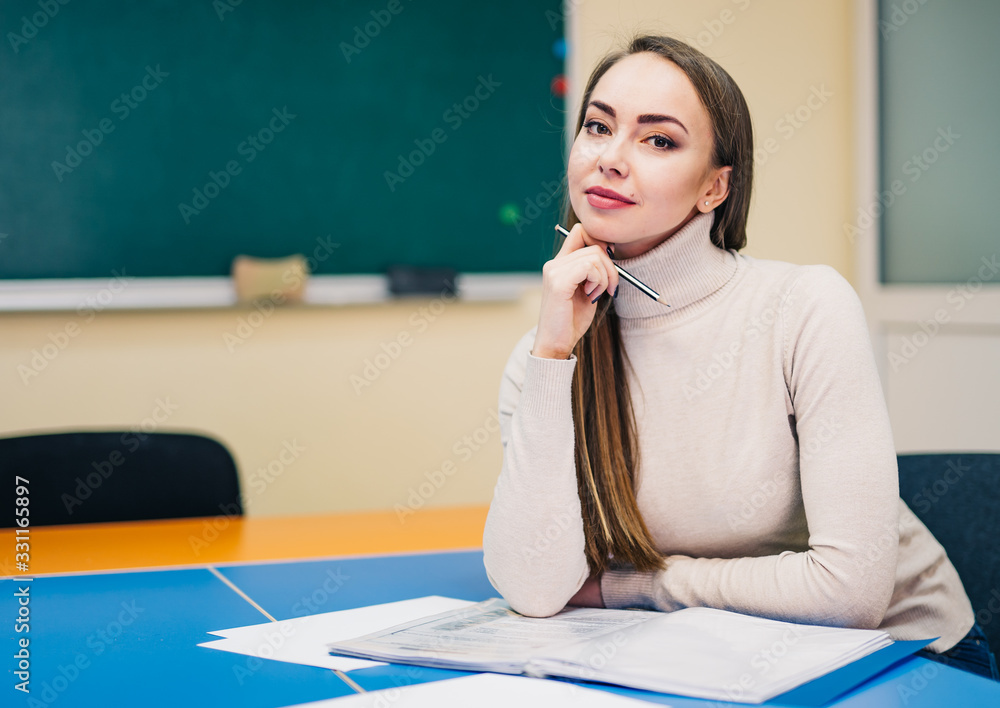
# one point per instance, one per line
(533, 543)
(848, 477)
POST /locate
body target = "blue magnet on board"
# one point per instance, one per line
(559, 48)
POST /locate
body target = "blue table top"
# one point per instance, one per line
(131, 638)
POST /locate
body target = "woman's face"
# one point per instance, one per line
(646, 137)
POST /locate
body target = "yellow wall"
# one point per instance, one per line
(290, 382)
(289, 386)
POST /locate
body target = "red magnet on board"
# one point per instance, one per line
(559, 85)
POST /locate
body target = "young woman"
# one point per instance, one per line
(732, 450)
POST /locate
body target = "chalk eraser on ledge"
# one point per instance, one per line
(408, 280)
(279, 279)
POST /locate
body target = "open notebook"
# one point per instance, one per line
(697, 652)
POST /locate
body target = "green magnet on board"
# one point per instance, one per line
(509, 214)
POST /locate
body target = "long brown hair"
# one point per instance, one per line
(607, 453)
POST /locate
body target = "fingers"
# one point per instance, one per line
(611, 284)
(587, 273)
(573, 242)
(597, 281)
(594, 268)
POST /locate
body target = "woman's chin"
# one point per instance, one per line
(601, 230)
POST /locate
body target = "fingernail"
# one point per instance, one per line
(595, 299)
(611, 252)
(615, 293)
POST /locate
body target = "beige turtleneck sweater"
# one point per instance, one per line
(767, 473)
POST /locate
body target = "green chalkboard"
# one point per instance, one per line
(165, 138)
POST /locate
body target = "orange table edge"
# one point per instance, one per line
(221, 539)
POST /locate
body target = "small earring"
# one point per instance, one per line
(706, 203)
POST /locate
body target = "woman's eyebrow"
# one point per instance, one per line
(643, 118)
(660, 118)
(601, 106)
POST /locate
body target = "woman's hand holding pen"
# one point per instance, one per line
(572, 282)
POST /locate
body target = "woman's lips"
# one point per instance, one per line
(602, 198)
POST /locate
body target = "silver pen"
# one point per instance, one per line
(628, 276)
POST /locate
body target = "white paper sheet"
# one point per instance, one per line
(303, 640)
(484, 691)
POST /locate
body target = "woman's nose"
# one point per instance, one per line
(612, 158)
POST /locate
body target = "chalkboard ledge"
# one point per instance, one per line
(98, 294)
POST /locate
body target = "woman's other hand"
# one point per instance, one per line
(589, 595)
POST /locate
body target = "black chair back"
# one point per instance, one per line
(89, 477)
(957, 496)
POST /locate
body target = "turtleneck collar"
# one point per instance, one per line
(684, 269)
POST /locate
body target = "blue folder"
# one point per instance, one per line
(826, 688)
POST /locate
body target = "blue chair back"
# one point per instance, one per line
(957, 496)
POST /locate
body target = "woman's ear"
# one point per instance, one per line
(716, 190)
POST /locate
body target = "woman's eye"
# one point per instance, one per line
(594, 126)
(662, 142)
